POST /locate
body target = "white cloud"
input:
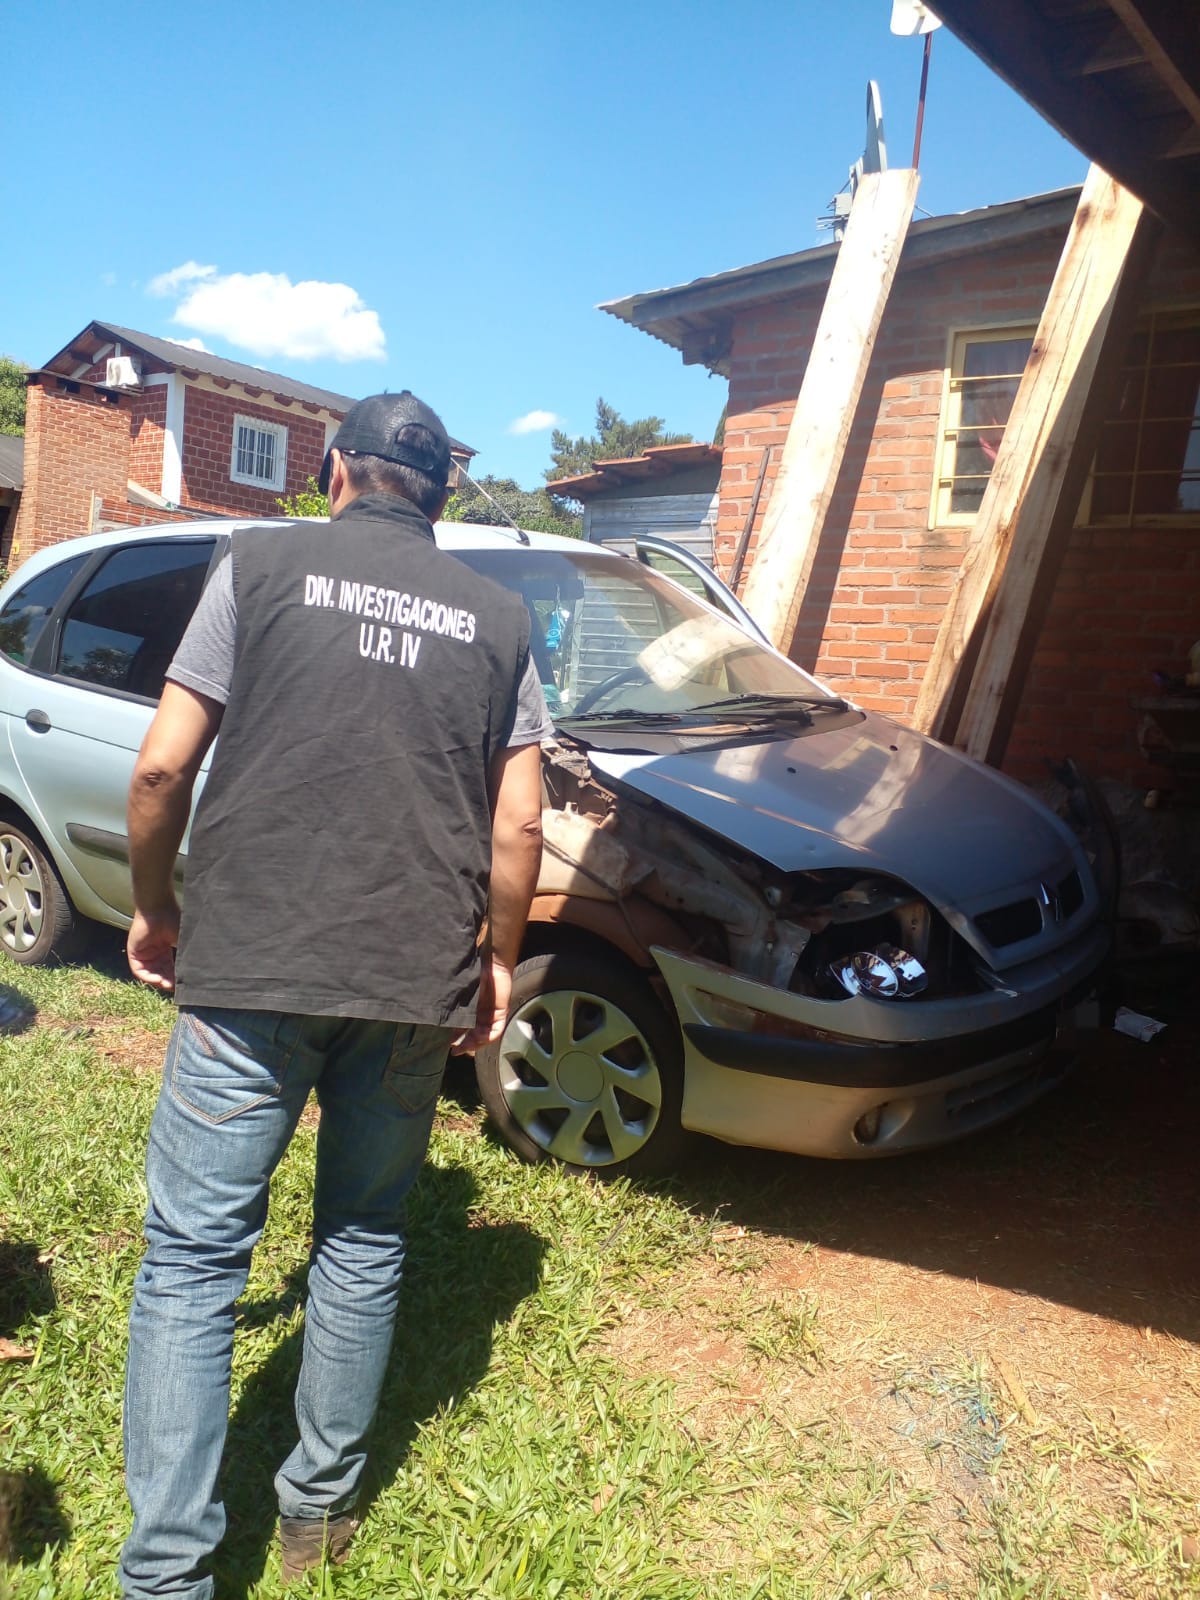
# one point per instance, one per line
(169, 282)
(269, 315)
(535, 422)
(191, 344)
(108, 279)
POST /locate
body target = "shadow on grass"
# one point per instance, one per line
(1087, 1199)
(31, 1519)
(26, 1288)
(461, 1280)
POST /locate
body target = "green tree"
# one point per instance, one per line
(528, 508)
(12, 396)
(309, 502)
(614, 438)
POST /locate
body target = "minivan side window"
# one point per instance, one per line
(123, 628)
(23, 615)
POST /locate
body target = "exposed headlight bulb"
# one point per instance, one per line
(885, 973)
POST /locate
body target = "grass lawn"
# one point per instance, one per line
(735, 1387)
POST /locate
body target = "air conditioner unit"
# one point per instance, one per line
(122, 372)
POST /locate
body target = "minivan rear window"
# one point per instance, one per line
(124, 627)
(23, 615)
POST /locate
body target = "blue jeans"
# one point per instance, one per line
(234, 1085)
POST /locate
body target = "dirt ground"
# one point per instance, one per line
(1033, 1287)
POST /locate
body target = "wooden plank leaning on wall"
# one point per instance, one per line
(972, 684)
(828, 398)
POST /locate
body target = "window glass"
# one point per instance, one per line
(23, 616)
(608, 635)
(985, 374)
(123, 629)
(676, 570)
(259, 454)
(1147, 465)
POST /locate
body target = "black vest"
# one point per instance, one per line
(339, 858)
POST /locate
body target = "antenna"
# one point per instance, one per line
(873, 159)
(912, 18)
(520, 532)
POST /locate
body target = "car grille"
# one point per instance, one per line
(1024, 919)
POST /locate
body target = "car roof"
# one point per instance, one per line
(450, 536)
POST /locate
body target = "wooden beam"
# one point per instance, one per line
(1084, 53)
(1166, 31)
(1033, 492)
(1017, 42)
(828, 398)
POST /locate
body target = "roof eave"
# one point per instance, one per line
(682, 316)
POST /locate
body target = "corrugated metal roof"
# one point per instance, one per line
(180, 357)
(694, 317)
(657, 462)
(12, 461)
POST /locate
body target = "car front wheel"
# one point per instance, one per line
(37, 919)
(588, 1071)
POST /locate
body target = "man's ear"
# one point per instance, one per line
(435, 514)
(339, 483)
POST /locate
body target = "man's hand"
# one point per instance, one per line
(160, 797)
(151, 948)
(491, 1010)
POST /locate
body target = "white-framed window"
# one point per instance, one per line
(259, 453)
(982, 378)
(1147, 464)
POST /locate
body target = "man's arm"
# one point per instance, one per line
(160, 799)
(516, 793)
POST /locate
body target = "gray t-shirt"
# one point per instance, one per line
(204, 660)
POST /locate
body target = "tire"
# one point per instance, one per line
(37, 919)
(589, 1069)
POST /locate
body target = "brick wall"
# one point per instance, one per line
(147, 410)
(1125, 601)
(208, 443)
(76, 447)
(131, 516)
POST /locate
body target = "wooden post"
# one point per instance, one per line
(828, 399)
(1040, 469)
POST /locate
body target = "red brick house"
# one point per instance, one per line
(125, 428)
(1125, 597)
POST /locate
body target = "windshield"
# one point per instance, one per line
(613, 638)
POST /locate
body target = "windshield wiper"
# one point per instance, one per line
(629, 714)
(771, 702)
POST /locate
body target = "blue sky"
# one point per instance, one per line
(372, 196)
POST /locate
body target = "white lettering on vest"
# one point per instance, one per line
(393, 607)
(318, 591)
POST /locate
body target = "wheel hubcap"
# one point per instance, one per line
(22, 895)
(579, 1078)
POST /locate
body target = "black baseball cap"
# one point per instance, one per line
(395, 427)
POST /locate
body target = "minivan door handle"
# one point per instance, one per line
(37, 720)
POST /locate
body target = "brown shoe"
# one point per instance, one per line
(306, 1542)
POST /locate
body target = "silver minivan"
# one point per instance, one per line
(764, 914)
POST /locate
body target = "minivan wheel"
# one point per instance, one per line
(588, 1071)
(37, 919)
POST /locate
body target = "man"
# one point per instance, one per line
(376, 787)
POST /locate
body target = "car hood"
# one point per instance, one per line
(872, 795)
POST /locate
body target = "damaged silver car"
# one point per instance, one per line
(764, 914)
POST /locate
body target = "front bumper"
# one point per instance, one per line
(858, 1077)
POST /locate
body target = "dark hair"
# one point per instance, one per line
(374, 475)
